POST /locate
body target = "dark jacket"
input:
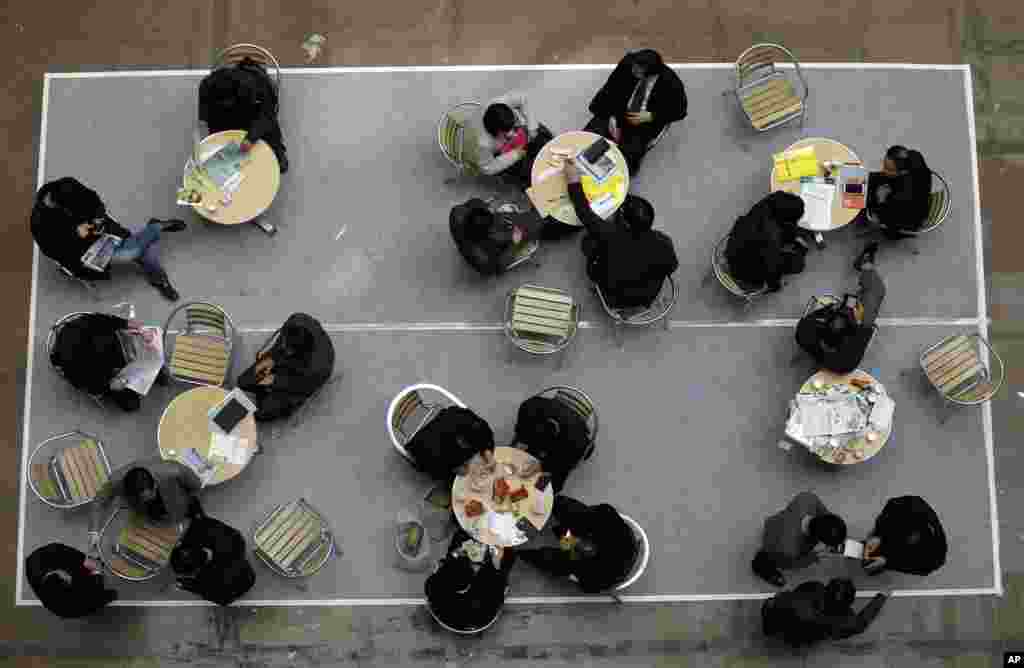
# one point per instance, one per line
(298, 371)
(461, 607)
(900, 517)
(55, 228)
(784, 541)
(495, 251)
(755, 250)
(87, 593)
(89, 354)
(629, 266)
(449, 440)
(667, 102)
(558, 456)
(800, 617)
(228, 575)
(846, 355)
(907, 205)
(177, 484)
(240, 97)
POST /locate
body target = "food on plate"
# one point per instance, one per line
(520, 494)
(474, 508)
(501, 489)
(860, 383)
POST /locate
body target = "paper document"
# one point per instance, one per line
(853, 549)
(881, 413)
(144, 359)
(229, 449)
(99, 254)
(822, 417)
(790, 166)
(818, 199)
(503, 524)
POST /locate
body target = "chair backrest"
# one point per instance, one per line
(294, 540)
(456, 137)
(720, 266)
(235, 53)
(540, 320)
(641, 317)
(67, 470)
(940, 204)
(644, 546)
(758, 62)
(955, 366)
(202, 349)
(463, 632)
(409, 412)
(580, 403)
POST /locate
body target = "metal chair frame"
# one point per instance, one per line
(720, 268)
(105, 559)
(657, 311)
(986, 373)
(449, 126)
(752, 74)
(936, 214)
(201, 324)
(404, 405)
(237, 52)
(39, 448)
(90, 286)
(534, 346)
(580, 403)
(326, 538)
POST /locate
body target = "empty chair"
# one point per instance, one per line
(135, 550)
(200, 348)
(770, 97)
(456, 136)
(540, 320)
(957, 369)
(67, 470)
(294, 540)
(720, 268)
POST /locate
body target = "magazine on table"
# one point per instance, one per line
(99, 254)
(224, 166)
(144, 359)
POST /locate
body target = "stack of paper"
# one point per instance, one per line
(882, 412)
(228, 449)
(790, 166)
(820, 417)
(818, 199)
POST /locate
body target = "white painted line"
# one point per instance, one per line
(343, 230)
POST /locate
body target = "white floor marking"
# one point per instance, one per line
(341, 232)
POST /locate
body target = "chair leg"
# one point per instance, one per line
(615, 597)
(665, 323)
(619, 334)
(265, 226)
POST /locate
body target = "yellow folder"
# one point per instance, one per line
(793, 165)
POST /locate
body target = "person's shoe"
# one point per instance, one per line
(163, 285)
(174, 225)
(867, 255)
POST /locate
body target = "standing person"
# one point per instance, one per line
(67, 582)
(899, 196)
(68, 218)
(791, 535)
(488, 241)
(553, 433)
(640, 98)
(766, 244)
(509, 138)
(814, 612)
(627, 259)
(210, 561)
(908, 537)
(243, 97)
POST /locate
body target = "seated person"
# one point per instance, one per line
(837, 336)
(814, 612)
(467, 590)
(210, 561)
(243, 97)
(899, 196)
(908, 538)
(791, 535)
(595, 545)
(451, 438)
(553, 433)
(509, 139)
(68, 583)
(90, 351)
(68, 218)
(640, 98)
(627, 259)
(164, 492)
(489, 241)
(766, 243)
(297, 365)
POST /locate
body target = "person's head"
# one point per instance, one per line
(296, 340)
(478, 224)
(141, 490)
(223, 92)
(551, 428)
(902, 160)
(73, 197)
(837, 327)
(188, 560)
(55, 584)
(828, 529)
(786, 207)
(637, 213)
(913, 538)
(500, 121)
(839, 595)
(645, 62)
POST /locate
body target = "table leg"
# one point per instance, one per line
(265, 226)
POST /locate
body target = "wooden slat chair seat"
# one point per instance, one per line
(720, 267)
(768, 96)
(956, 369)
(73, 475)
(201, 353)
(143, 551)
(294, 541)
(541, 320)
(457, 138)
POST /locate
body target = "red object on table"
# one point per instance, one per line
(518, 141)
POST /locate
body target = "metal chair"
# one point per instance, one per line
(642, 317)
(639, 566)
(940, 204)
(463, 632)
(720, 268)
(51, 341)
(235, 53)
(404, 414)
(456, 136)
(957, 369)
(768, 96)
(66, 471)
(84, 282)
(201, 353)
(294, 540)
(580, 403)
(136, 552)
(540, 320)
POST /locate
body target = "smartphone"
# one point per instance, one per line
(595, 151)
(543, 481)
(854, 188)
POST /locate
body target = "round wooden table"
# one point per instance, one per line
(547, 165)
(854, 450)
(257, 190)
(827, 150)
(186, 424)
(479, 527)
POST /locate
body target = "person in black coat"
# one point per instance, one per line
(553, 433)
(766, 244)
(296, 366)
(243, 97)
(66, 581)
(814, 612)
(448, 441)
(68, 217)
(605, 549)
(489, 241)
(640, 98)
(908, 538)
(627, 259)
(210, 561)
(464, 594)
(899, 196)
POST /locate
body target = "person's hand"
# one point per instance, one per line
(267, 379)
(86, 230)
(874, 564)
(517, 234)
(92, 566)
(135, 326)
(572, 174)
(639, 117)
(871, 546)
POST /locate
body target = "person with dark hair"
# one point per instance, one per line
(91, 350)
(449, 440)
(284, 377)
(210, 561)
(509, 138)
(488, 241)
(814, 612)
(467, 590)
(164, 492)
(553, 433)
(908, 537)
(68, 218)
(67, 582)
(596, 546)
(640, 98)
(627, 259)
(791, 535)
(837, 335)
(243, 97)
(899, 196)
(766, 243)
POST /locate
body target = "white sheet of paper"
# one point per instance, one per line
(503, 524)
(853, 549)
(230, 449)
(818, 199)
(882, 412)
(140, 375)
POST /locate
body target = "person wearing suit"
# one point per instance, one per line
(210, 561)
(766, 244)
(908, 537)
(814, 612)
(67, 582)
(640, 98)
(553, 433)
(791, 535)
(467, 594)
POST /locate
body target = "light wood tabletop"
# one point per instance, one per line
(826, 150)
(256, 192)
(548, 165)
